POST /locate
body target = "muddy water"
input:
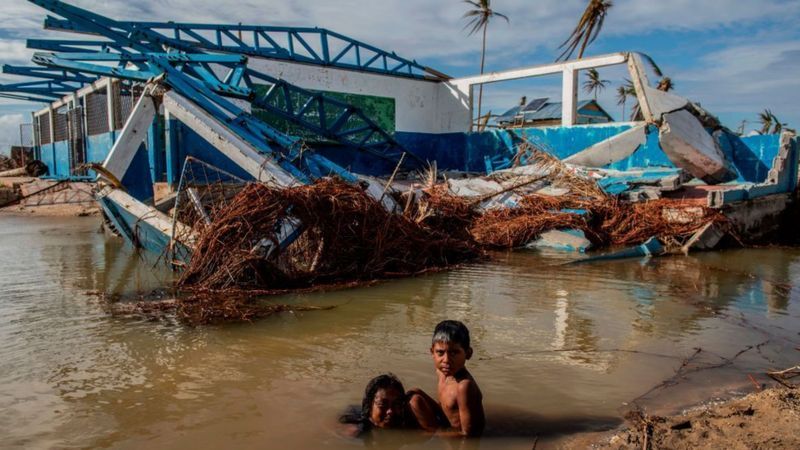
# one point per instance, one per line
(558, 349)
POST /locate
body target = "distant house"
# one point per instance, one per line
(540, 112)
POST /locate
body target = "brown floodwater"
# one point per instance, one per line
(559, 348)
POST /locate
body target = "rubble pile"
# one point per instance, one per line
(346, 236)
(7, 163)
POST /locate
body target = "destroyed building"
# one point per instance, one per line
(158, 112)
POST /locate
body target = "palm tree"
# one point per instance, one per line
(630, 91)
(665, 84)
(589, 26)
(767, 119)
(479, 18)
(593, 83)
(622, 97)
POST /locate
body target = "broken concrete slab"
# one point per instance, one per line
(131, 138)
(661, 102)
(705, 238)
(141, 225)
(689, 146)
(611, 150)
(565, 240)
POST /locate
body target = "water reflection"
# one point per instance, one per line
(557, 347)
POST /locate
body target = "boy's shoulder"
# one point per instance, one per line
(466, 382)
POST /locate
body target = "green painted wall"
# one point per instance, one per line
(379, 109)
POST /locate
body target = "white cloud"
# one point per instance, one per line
(747, 79)
(637, 16)
(9, 129)
(424, 29)
(14, 52)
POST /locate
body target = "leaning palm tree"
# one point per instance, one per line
(594, 84)
(766, 118)
(478, 19)
(622, 97)
(778, 127)
(630, 91)
(589, 26)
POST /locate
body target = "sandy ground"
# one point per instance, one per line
(62, 210)
(88, 208)
(769, 419)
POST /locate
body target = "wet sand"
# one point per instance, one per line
(769, 419)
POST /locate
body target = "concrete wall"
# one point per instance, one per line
(47, 155)
(421, 106)
(61, 155)
(493, 150)
(98, 146)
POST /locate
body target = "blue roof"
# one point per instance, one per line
(547, 111)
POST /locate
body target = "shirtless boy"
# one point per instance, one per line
(460, 404)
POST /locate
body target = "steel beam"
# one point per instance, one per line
(316, 46)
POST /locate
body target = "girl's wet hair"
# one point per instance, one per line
(385, 381)
(451, 331)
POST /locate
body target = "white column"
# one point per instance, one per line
(110, 103)
(569, 97)
(50, 117)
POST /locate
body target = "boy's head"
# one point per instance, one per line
(450, 346)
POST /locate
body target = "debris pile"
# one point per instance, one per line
(515, 227)
(346, 236)
(7, 163)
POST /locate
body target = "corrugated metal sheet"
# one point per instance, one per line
(547, 111)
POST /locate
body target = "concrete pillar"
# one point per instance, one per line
(569, 97)
(171, 132)
(51, 117)
(37, 138)
(110, 104)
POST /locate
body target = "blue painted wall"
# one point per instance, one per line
(137, 179)
(188, 143)
(491, 150)
(470, 151)
(61, 152)
(47, 156)
(97, 147)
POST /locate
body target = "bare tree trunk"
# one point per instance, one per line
(483, 59)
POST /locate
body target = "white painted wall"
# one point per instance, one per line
(420, 106)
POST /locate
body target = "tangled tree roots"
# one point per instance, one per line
(348, 239)
(607, 222)
(346, 236)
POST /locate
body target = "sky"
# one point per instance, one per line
(734, 57)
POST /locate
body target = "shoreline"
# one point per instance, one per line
(59, 210)
(768, 418)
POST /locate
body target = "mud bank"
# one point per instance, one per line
(768, 419)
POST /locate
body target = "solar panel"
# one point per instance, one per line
(535, 104)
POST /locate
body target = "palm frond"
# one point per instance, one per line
(652, 63)
(586, 31)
